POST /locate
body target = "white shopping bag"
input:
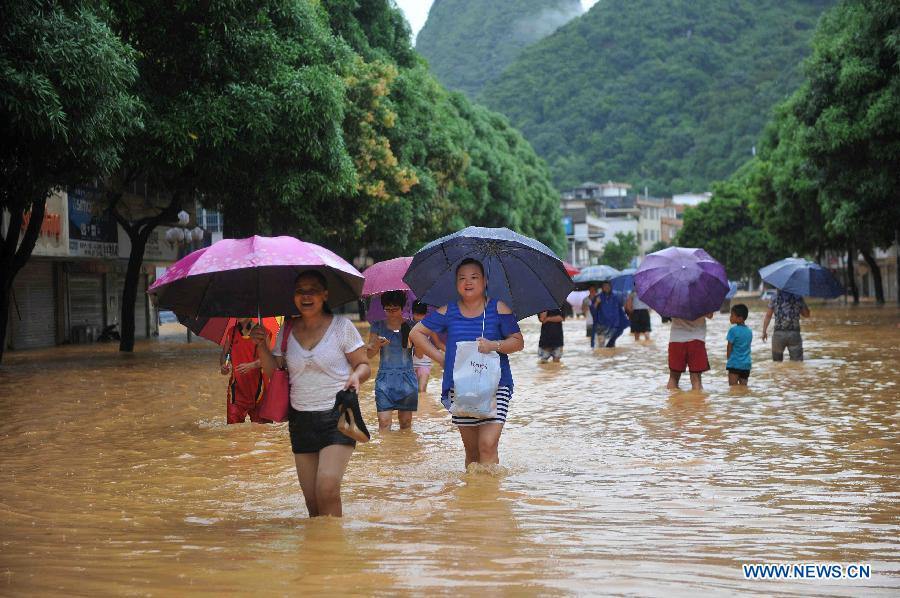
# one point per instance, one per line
(475, 379)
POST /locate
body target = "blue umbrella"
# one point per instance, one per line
(594, 275)
(732, 289)
(802, 277)
(624, 282)
(522, 272)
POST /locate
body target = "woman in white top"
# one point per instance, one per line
(325, 354)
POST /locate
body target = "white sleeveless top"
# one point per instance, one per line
(317, 375)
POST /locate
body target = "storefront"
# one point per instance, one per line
(35, 309)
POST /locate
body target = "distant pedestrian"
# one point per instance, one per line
(586, 305)
(421, 362)
(687, 351)
(610, 320)
(639, 314)
(787, 308)
(550, 344)
(739, 340)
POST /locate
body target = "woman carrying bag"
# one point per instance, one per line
(480, 325)
(324, 356)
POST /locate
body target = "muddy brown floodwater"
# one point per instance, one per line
(119, 476)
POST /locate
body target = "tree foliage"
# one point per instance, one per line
(65, 111)
(469, 42)
(724, 226)
(848, 112)
(620, 252)
(666, 94)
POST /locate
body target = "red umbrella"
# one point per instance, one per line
(570, 269)
(217, 329)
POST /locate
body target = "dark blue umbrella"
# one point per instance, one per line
(802, 277)
(624, 282)
(522, 272)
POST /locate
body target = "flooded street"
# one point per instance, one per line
(119, 476)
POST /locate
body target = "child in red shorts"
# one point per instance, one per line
(687, 351)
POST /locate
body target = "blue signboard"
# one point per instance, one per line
(92, 229)
(567, 224)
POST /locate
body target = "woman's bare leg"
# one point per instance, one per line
(307, 464)
(470, 442)
(332, 465)
(488, 441)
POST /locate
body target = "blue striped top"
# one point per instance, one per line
(460, 328)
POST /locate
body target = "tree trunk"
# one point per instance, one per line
(851, 275)
(138, 232)
(876, 275)
(4, 313)
(14, 256)
(129, 291)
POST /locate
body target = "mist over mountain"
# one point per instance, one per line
(671, 94)
(469, 42)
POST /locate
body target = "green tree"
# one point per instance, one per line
(724, 227)
(244, 108)
(469, 42)
(620, 252)
(659, 246)
(65, 109)
(662, 93)
(849, 109)
(428, 161)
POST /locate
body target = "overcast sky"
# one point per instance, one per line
(416, 11)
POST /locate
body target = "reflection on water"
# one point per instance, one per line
(119, 475)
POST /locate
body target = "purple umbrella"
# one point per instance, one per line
(251, 277)
(681, 282)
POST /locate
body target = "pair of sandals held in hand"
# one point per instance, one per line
(350, 422)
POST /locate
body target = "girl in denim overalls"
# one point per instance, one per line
(396, 386)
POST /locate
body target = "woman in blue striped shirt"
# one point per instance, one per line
(464, 320)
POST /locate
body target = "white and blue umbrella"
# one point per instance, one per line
(802, 277)
(593, 275)
(522, 272)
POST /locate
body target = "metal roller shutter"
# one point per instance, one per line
(33, 325)
(86, 300)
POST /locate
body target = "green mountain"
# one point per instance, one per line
(671, 94)
(469, 42)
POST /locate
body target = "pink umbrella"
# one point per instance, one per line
(251, 277)
(386, 276)
(383, 277)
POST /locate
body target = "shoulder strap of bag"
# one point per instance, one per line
(284, 338)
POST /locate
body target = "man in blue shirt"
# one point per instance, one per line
(739, 340)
